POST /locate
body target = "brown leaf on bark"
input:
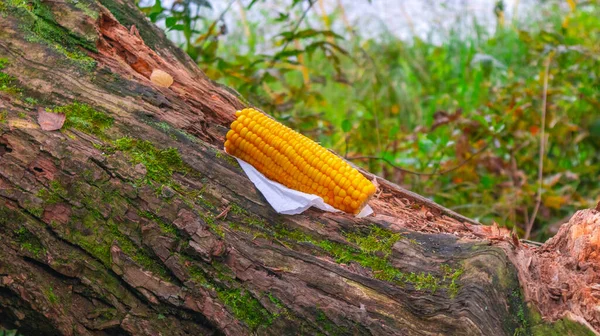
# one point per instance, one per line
(50, 121)
(161, 78)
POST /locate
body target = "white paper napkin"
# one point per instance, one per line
(289, 201)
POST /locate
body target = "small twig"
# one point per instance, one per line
(375, 115)
(419, 173)
(531, 242)
(224, 213)
(542, 148)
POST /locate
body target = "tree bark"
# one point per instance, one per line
(131, 220)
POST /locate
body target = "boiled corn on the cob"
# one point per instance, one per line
(288, 157)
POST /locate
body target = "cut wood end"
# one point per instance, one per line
(161, 78)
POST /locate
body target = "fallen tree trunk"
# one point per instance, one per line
(132, 220)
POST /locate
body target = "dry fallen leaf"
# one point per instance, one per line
(161, 78)
(50, 121)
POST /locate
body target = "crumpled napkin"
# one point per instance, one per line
(289, 201)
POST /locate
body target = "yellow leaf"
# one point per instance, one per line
(554, 202)
(565, 23)
(572, 4)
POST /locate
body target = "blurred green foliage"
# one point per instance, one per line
(464, 113)
(4, 332)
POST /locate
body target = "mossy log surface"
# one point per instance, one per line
(131, 220)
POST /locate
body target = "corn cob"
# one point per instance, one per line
(288, 157)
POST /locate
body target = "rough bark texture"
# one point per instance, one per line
(131, 220)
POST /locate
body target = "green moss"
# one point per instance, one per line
(105, 314)
(8, 84)
(452, 275)
(239, 301)
(85, 8)
(105, 233)
(224, 156)
(372, 251)
(198, 276)
(54, 194)
(85, 118)
(28, 241)
(99, 249)
(246, 308)
(160, 164)
(223, 273)
(17, 4)
(47, 29)
(214, 227)
(526, 320)
(6, 215)
(238, 210)
(137, 253)
(562, 327)
(3, 116)
(199, 197)
(328, 326)
(31, 101)
(34, 209)
(165, 227)
(39, 23)
(381, 267)
(275, 301)
(52, 298)
(81, 59)
(173, 133)
(377, 240)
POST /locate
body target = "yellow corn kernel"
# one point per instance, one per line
(294, 160)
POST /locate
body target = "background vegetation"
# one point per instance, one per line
(499, 124)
